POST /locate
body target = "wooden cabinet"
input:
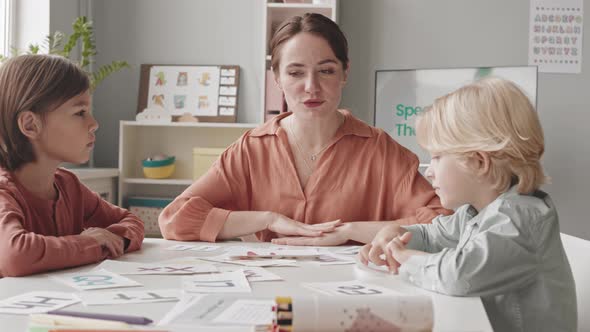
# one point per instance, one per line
(275, 12)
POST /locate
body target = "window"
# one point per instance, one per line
(5, 26)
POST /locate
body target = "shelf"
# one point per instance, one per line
(192, 124)
(172, 182)
(94, 173)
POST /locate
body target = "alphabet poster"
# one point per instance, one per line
(555, 35)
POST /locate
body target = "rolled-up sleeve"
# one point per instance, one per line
(199, 213)
(444, 232)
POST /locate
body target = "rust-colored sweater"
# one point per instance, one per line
(364, 175)
(38, 235)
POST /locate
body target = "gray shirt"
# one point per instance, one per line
(510, 254)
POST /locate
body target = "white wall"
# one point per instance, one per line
(32, 22)
(172, 32)
(391, 34)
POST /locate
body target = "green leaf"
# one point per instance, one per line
(83, 32)
(33, 49)
(53, 42)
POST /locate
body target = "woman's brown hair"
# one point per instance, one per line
(313, 23)
(36, 83)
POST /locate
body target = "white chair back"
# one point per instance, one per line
(577, 251)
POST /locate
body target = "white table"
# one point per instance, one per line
(451, 313)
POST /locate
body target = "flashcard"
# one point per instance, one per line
(333, 259)
(125, 297)
(96, 279)
(225, 282)
(227, 81)
(205, 248)
(353, 250)
(352, 287)
(227, 101)
(228, 72)
(180, 247)
(228, 90)
(277, 252)
(36, 302)
(248, 312)
(224, 258)
(253, 273)
(129, 268)
(226, 110)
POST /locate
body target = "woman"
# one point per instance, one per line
(312, 176)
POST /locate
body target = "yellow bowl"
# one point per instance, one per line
(161, 172)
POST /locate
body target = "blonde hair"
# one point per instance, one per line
(494, 116)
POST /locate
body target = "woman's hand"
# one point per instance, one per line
(113, 243)
(338, 236)
(373, 252)
(286, 226)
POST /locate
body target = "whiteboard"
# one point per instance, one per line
(402, 94)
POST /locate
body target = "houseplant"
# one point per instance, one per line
(82, 32)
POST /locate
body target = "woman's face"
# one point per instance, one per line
(310, 75)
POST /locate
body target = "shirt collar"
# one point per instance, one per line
(351, 126)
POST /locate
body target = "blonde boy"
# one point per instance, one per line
(503, 242)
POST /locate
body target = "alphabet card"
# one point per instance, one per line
(276, 252)
(201, 248)
(96, 279)
(329, 258)
(253, 273)
(180, 247)
(36, 302)
(128, 297)
(351, 250)
(225, 282)
(352, 287)
(129, 268)
(250, 261)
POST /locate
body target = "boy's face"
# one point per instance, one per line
(68, 132)
(452, 181)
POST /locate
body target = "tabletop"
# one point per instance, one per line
(450, 313)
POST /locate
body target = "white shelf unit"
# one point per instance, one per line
(275, 12)
(138, 141)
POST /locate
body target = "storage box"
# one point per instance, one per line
(148, 209)
(203, 158)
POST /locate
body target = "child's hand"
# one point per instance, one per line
(113, 243)
(397, 252)
(375, 251)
